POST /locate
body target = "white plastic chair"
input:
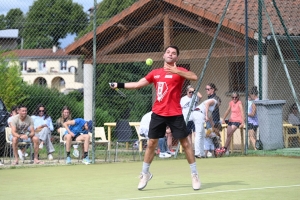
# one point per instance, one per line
(9, 143)
(140, 139)
(100, 138)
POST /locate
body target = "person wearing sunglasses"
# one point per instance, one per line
(211, 89)
(236, 120)
(185, 103)
(43, 126)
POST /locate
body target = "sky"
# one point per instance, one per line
(6, 5)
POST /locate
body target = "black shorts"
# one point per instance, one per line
(158, 124)
(73, 138)
(237, 124)
(252, 127)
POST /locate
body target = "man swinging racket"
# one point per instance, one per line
(168, 82)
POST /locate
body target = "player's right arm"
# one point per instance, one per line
(133, 85)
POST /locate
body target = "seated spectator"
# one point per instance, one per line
(43, 127)
(20, 124)
(164, 151)
(211, 139)
(22, 151)
(77, 130)
(294, 117)
(66, 116)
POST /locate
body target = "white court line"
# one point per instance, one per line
(222, 191)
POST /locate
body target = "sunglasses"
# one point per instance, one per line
(234, 97)
(41, 110)
(191, 92)
(207, 88)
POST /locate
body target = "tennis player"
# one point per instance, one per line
(168, 82)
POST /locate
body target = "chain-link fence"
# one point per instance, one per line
(37, 69)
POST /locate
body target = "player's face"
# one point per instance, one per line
(170, 55)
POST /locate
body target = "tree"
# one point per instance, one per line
(2, 22)
(50, 20)
(106, 10)
(14, 19)
(12, 86)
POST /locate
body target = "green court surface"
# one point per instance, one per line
(222, 178)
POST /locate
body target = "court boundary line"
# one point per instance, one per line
(213, 192)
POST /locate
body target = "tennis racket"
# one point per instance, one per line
(117, 90)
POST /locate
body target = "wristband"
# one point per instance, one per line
(120, 85)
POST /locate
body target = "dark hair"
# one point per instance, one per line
(218, 126)
(14, 108)
(174, 47)
(22, 106)
(254, 90)
(36, 112)
(213, 86)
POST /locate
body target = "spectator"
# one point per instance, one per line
(43, 127)
(201, 115)
(162, 143)
(185, 103)
(77, 130)
(211, 135)
(211, 92)
(168, 81)
(20, 125)
(66, 116)
(252, 116)
(22, 151)
(236, 120)
(294, 117)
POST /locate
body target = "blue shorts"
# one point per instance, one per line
(190, 127)
(237, 124)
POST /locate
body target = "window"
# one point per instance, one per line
(237, 77)
(23, 65)
(42, 65)
(63, 65)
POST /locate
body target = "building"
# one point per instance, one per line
(9, 39)
(53, 68)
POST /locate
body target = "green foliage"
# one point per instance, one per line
(11, 83)
(50, 20)
(53, 101)
(2, 22)
(107, 9)
(14, 19)
(136, 103)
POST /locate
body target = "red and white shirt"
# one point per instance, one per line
(168, 91)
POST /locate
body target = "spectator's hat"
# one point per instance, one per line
(90, 125)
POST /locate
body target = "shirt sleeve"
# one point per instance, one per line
(149, 77)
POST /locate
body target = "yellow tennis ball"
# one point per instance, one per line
(149, 61)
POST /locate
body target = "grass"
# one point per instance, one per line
(247, 177)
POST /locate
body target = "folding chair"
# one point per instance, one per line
(100, 138)
(140, 139)
(123, 133)
(9, 143)
(289, 132)
(63, 142)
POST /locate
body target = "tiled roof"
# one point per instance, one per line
(37, 53)
(212, 10)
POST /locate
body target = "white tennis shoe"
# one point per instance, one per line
(196, 184)
(144, 178)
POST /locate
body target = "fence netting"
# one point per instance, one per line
(38, 67)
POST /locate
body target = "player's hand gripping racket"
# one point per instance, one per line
(117, 89)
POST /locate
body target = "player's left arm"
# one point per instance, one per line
(185, 74)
